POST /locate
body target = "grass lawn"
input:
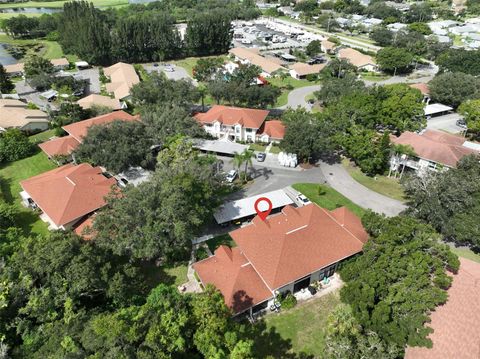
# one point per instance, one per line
(189, 63)
(275, 149)
(466, 253)
(50, 49)
(302, 328)
(42, 136)
(329, 199)
(170, 275)
(59, 4)
(286, 85)
(370, 76)
(10, 176)
(389, 187)
(215, 242)
(8, 15)
(258, 147)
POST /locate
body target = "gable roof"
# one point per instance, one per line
(437, 146)
(305, 69)
(274, 129)
(355, 57)
(328, 45)
(247, 117)
(254, 58)
(456, 323)
(235, 277)
(423, 87)
(12, 103)
(18, 116)
(69, 192)
(61, 146)
(299, 241)
(60, 62)
(13, 68)
(99, 100)
(78, 130)
(122, 76)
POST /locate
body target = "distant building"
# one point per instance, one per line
(122, 78)
(100, 100)
(328, 47)
(252, 56)
(16, 114)
(357, 59)
(301, 70)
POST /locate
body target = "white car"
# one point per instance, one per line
(246, 42)
(302, 200)
(230, 177)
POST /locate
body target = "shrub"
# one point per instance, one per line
(288, 301)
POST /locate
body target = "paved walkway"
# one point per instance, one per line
(339, 179)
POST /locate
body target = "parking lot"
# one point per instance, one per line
(170, 70)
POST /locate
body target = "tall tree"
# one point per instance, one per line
(6, 85)
(453, 88)
(394, 60)
(14, 145)
(209, 33)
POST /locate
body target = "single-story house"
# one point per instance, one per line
(100, 100)
(271, 131)
(455, 324)
(302, 70)
(357, 59)
(435, 150)
(64, 146)
(14, 70)
(252, 56)
(423, 88)
(60, 64)
(233, 123)
(396, 26)
(436, 109)
(16, 114)
(328, 47)
(67, 194)
(285, 253)
(122, 78)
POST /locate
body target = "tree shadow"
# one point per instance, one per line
(330, 158)
(6, 189)
(241, 301)
(268, 343)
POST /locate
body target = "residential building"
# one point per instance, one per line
(271, 131)
(423, 88)
(233, 123)
(100, 100)
(301, 70)
(435, 150)
(328, 47)
(19, 68)
(455, 323)
(396, 26)
(285, 253)
(251, 56)
(16, 114)
(68, 194)
(60, 64)
(436, 109)
(64, 146)
(357, 59)
(122, 78)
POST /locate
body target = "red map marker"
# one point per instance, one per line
(263, 214)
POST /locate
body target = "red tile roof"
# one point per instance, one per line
(436, 146)
(69, 192)
(235, 277)
(274, 129)
(456, 324)
(247, 117)
(79, 129)
(84, 228)
(299, 241)
(59, 146)
(422, 87)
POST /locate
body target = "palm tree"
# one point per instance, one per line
(247, 155)
(202, 90)
(404, 151)
(238, 159)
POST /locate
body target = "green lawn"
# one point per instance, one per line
(189, 63)
(371, 76)
(10, 176)
(389, 187)
(300, 329)
(170, 275)
(49, 50)
(42, 136)
(8, 15)
(275, 149)
(258, 147)
(59, 4)
(286, 85)
(215, 242)
(329, 199)
(466, 253)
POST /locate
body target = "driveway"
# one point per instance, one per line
(296, 98)
(339, 179)
(179, 72)
(93, 76)
(446, 123)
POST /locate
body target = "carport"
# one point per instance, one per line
(221, 147)
(243, 209)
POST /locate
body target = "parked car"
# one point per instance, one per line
(155, 65)
(169, 68)
(461, 123)
(246, 42)
(261, 156)
(230, 177)
(303, 200)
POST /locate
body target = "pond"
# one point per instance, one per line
(30, 10)
(5, 57)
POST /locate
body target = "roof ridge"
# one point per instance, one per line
(342, 226)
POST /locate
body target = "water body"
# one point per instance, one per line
(30, 10)
(5, 57)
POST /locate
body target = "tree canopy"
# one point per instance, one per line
(453, 88)
(14, 145)
(394, 60)
(398, 280)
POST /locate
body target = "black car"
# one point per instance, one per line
(461, 123)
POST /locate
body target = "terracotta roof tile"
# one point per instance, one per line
(423, 87)
(436, 146)
(69, 192)
(61, 146)
(235, 277)
(456, 324)
(79, 129)
(247, 117)
(274, 129)
(311, 233)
